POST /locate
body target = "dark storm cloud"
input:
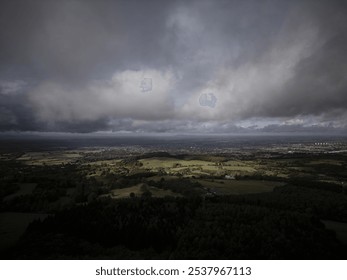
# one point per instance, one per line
(15, 114)
(319, 81)
(78, 65)
(80, 39)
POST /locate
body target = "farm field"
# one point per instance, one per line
(49, 158)
(239, 187)
(138, 191)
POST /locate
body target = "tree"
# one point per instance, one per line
(146, 194)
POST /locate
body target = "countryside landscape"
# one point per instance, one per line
(253, 197)
(173, 130)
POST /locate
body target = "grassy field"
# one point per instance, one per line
(173, 165)
(171, 162)
(165, 177)
(125, 192)
(109, 163)
(49, 158)
(239, 186)
(325, 161)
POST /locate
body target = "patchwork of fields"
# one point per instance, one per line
(37, 183)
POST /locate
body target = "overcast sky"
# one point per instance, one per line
(199, 66)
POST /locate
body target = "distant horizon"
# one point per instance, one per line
(98, 134)
(163, 134)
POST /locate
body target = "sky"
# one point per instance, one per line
(156, 66)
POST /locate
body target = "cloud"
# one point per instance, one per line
(11, 87)
(7, 118)
(80, 65)
(273, 84)
(119, 97)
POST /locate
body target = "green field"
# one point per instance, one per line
(199, 167)
(49, 158)
(125, 192)
(170, 162)
(239, 186)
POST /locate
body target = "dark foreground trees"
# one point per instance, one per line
(179, 228)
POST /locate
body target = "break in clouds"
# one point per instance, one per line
(173, 66)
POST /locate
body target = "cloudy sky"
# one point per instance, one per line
(204, 66)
